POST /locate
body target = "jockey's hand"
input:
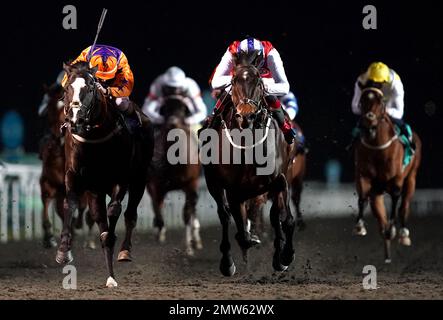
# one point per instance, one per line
(100, 87)
(267, 82)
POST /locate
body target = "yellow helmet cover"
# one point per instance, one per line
(378, 72)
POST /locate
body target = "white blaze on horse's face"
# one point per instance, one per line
(77, 85)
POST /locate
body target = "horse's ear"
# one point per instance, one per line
(67, 67)
(236, 58)
(94, 70)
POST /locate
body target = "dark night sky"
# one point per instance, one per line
(323, 46)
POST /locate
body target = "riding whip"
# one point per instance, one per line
(100, 24)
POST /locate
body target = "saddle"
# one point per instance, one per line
(409, 150)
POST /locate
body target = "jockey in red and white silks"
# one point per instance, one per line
(272, 73)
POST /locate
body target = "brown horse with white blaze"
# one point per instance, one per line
(379, 169)
(52, 179)
(101, 159)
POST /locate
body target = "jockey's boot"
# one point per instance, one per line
(289, 132)
(132, 120)
(404, 131)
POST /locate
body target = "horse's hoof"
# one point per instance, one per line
(404, 238)
(392, 232)
(255, 240)
(64, 257)
(90, 244)
(405, 241)
(50, 242)
(277, 263)
(359, 230)
(189, 251)
(287, 258)
(124, 256)
(161, 236)
(111, 283)
(278, 267)
(197, 245)
(388, 261)
(228, 271)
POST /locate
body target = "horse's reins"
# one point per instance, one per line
(391, 141)
(88, 113)
(257, 104)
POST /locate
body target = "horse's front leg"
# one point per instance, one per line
(136, 192)
(192, 225)
(243, 236)
(227, 265)
(158, 197)
(47, 193)
(97, 207)
(64, 254)
(395, 193)
(363, 189)
(379, 210)
(283, 223)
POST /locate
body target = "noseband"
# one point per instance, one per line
(371, 116)
(255, 103)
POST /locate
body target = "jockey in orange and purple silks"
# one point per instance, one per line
(272, 73)
(115, 78)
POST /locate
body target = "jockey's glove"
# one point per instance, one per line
(100, 87)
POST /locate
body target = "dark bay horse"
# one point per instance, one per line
(379, 169)
(52, 179)
(232, 184)
(164, 177)
(295, 175)
(101, 159)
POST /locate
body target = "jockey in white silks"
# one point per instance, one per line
(174, 81)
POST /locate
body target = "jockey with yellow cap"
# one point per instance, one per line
(115, 78)
(380, 76)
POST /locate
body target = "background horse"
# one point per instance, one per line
(52, 179)
(379, 169)
(101, 159)
(164, 177)
(231, 185)
(295, 175)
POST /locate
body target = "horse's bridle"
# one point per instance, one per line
(259, 82)
(89, 107)
(371, 116)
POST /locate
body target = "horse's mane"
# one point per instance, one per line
(80, 67)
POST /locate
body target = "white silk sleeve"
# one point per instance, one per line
(395, 106)
(200, 112)
(280, 85)
(222, 75)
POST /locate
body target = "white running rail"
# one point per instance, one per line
(21, 207)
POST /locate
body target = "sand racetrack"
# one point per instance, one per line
(329, 263)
